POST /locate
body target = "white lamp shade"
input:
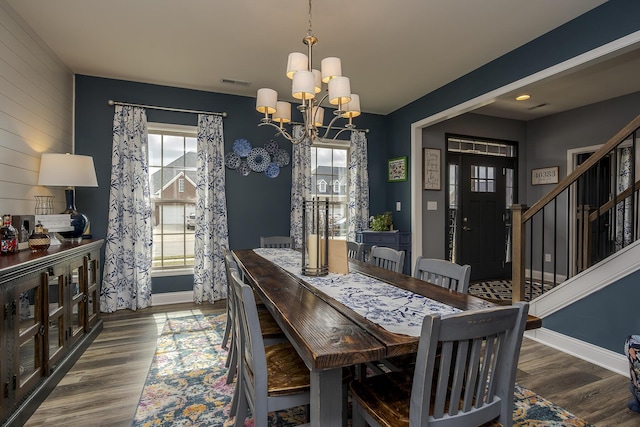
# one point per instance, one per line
(352, 108)
(283, 112)
(67, 170)
(303, 86)
(317, 80)
(331, 67)
(339, 90)
(317, 115)
(266, 100)
(297, 62)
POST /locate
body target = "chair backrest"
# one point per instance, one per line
(443, 273)
(252, 357)
(276, 242)
(355, 250)
(466, 367)
(388, 258)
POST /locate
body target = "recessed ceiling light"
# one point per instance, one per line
(523, 97)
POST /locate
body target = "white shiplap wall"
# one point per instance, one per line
(36, 113)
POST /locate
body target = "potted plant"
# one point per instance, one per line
(381, 222)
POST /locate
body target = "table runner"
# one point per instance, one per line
(395, 309)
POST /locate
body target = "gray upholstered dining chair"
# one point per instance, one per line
(464, 375)
(443, 273)
(276, 242)
(355, 250)
(270, 378)
(387, 258)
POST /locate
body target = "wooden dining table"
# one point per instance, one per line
(328, 335)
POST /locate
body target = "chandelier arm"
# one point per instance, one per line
(339, 132)
(330, 127)
(284, 133)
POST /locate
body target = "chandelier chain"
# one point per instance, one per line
(309, 31)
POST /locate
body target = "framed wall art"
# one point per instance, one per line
(431, 170)
(398, 169)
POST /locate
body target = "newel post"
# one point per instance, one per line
(518, 253)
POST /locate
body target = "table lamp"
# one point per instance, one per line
(69, 170)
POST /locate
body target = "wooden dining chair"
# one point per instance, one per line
(270, 378)
(355, 250)
(443, 273)
(464, 375)
(276, 242)
(271, 332)
(387, 258)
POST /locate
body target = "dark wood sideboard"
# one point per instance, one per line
(50, 314)
(398, 240)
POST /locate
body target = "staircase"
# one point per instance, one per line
(582, 237)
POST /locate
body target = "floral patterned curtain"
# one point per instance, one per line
(358, 185)
(211, 231)
(624, 225)
(300, 183)
(126, 281)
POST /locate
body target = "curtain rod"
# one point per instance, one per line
(354, 129)
(179, 110)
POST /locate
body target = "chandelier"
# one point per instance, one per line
(306, 86)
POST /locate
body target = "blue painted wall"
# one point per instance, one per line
(256, 205)
(261, 206)
(608, 22)
(604, 318)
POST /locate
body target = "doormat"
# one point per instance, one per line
(501, 289)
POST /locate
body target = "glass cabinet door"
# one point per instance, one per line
(3, 358)
(77, 304)
(93, 289)
(28, 343)
(55, 323)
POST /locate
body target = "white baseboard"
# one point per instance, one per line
(171, 298)
(615, 362)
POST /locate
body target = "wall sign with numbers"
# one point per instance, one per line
(545, 175)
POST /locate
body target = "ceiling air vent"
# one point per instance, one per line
(535, 107)
(235, 82)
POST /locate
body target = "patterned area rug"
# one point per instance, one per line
(186, 384)
(501, 289)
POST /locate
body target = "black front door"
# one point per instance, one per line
(486, 190)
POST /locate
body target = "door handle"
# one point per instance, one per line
(465, 228)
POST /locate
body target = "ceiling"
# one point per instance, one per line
(393, 55)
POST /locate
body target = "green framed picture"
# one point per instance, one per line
(398, 169)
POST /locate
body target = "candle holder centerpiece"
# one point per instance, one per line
(315, 234)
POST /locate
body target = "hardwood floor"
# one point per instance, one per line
(104, 386)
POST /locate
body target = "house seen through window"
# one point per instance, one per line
(172, 185)
(330, 165)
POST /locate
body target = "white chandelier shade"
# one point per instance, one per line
(352, 108)
(331, 67)
(306, 86)
(266, 100)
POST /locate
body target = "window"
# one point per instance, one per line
(330, 165)
(483, 179)
(172, 178)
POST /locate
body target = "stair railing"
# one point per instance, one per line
(576, 224)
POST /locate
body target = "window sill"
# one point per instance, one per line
(172, 272)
